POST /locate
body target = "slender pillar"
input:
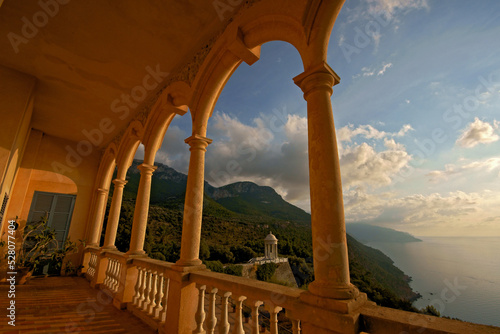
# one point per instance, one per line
(102, 194)
(114, 214)
(331, 264)
(141, 210)
(193, 204)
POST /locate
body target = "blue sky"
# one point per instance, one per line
(417, 115)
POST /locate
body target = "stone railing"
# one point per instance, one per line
(221, 289)
(381, 320)
(150, 292)
(172, 299)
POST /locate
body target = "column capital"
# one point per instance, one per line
(102, 191)
(119, 182)
(318, 77)
(197, 142)
(146, 169)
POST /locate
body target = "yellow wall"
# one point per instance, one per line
(16, 108)
(37, 174)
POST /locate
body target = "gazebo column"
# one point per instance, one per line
(114, 214)
(102, 195)
(141, 210)
(193, 205)
(331, 264)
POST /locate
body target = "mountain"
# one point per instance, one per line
(370, 233)
(247, 198)
(251, 199)
(236, 218)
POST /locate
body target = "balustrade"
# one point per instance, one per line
(263, 303)
(151, 290)
(247, 297)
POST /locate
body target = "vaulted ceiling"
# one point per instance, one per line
(87, 56)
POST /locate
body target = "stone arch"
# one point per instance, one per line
(128, 146)
(318, 24)
(107, 166)
(307, 29)
(103, 181)
(173, 101)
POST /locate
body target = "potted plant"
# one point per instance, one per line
(38, 248)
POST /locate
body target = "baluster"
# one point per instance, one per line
(238, 322)
(89, 271)
(113, 275)
(137, 295)
(143, 288)
(159, 296)
(295, 322)
(254, 305)
(111, 282)
(94, 263)
(273, 315)
(152, 294)
(296, 326)
(117, 276)
(200, 313)
(108, 270)
(149, 278)
(164, 301)
(212, 319)
(224, 323)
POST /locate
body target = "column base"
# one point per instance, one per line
(136, 252)
(109, 248)
(345, 306)
(333, 291)
(190, 263)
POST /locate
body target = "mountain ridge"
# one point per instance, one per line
(367, 233)
(235, 223)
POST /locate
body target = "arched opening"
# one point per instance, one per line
(256, 170)
(168, 189)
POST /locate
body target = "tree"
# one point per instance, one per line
(266, 271)
(221, 253)
(242, 254)
(204, 250)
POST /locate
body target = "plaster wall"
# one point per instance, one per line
(37, 173)
(16, 108)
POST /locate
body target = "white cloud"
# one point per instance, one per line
(384, 68)
(490, 165)
(346, 133)
(478, 132)
(378, 71)
(276, 158)
(392, 7)
(450, 213)
(362, 165)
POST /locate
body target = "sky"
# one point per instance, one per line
(417, 115)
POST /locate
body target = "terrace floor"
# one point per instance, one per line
(65, 305)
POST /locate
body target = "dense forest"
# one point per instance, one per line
(230, 237)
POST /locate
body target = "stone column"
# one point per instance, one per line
(114, 214)
(193, 204)
(100, 206)
(331, 264)
(141, 210)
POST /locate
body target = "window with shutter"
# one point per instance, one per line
(58, 208)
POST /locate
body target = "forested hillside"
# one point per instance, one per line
(236, 218)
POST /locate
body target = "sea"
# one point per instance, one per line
(460, 276)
